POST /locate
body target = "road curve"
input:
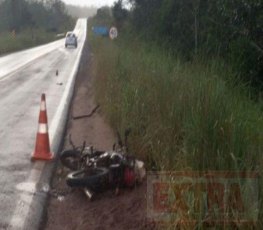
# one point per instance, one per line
(24, 76)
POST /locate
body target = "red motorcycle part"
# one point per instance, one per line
(129, 177)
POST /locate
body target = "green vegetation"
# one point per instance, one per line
(24, 39)
(181, 88)
(103, 17)
(198, 110)
(32, 22)
(193, 112)
(184, 116)
(229, 29)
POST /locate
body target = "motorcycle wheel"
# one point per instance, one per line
(95, 179)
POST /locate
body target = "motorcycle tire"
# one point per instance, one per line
(70, 159)
(95, 179)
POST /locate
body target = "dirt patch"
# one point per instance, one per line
(70, 209)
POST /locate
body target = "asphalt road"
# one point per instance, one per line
(24, 76)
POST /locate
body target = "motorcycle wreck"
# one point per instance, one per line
(96, 171)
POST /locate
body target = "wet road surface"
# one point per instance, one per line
(24, 76)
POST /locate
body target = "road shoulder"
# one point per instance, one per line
(69, 208)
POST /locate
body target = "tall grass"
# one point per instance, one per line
(184, 116)
(24, 39)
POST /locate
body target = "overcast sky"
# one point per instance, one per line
(96, 3)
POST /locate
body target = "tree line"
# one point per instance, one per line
(50, 15)
(230, 29)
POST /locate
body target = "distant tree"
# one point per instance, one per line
(231, 29)
(145, 14)
(58, 16)
(104, 12)
(46, 14)
(104, 16)
(120, 14)
(14, 15)
(40, 14)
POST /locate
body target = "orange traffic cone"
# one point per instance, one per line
(42, 148)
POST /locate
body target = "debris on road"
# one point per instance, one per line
(88, 115)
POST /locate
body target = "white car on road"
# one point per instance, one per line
(71, 40)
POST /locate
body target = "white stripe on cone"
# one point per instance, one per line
(42, 128)
(43, 106)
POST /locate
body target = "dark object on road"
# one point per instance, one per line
(88, 115)
(95, 170)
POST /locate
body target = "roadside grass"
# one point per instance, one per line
(188, 111)
(183, 116)
(25, 39)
